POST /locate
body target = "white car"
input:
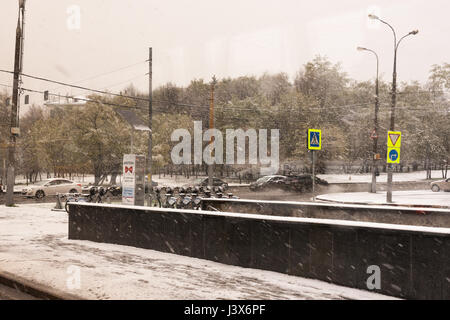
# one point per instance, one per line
(51, 187)
(439, 185)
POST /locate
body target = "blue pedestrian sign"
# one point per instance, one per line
(393, 155)
(314, 139)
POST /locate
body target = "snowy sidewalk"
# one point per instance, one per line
(367, 177)
(34, 246)
(425, 198)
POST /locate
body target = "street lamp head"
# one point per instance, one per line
(361, 49)
(414, 32)
(374, 17)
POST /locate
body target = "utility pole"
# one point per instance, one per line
(150, 117)
(14, 125)
(211, 126)
(22, 7)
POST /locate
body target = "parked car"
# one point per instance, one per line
(51, 187)
(216, 182)
(439, 185)
(266, 182)
(299, 183)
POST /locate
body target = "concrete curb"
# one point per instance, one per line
(39, 291)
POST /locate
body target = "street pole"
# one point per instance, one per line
(14, 124)
(131, 140)
(22, 45)
(211, 126)
(374, 136)
(392, 124)
(150, 117)
(313, 175)
(393, 98)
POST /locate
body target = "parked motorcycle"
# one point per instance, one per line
(170, 200)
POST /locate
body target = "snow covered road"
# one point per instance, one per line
(410, 197)
(34, 246)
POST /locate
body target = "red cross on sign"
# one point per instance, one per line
(130, 169)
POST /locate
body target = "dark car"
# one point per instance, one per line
(267, 182)
(303, 182)
(216, 182)
(298, 183)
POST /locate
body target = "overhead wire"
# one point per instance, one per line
(100, 91)
(106, 73)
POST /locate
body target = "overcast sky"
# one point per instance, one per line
(228, 38)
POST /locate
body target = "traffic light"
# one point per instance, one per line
(45, 95)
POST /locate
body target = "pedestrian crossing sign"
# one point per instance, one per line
(394, 139)
(314, 139)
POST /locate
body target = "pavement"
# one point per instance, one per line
(415, 176)
(34, 246)
(8, 293)
(416, 198)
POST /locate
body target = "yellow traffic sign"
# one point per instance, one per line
(393, 155)
(394, 139)
(314, 139)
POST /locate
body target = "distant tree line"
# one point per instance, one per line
(92, 139)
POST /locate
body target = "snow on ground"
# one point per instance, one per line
(367, 177)
(34, 245)
(410, 197)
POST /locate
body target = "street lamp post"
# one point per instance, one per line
(211, 126)
(373, 187)
(394, 95)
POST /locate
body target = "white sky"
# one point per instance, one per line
(196, 39)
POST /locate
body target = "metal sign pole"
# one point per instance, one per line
(150, 133)
(394, 141)
(314, 142)
(313, 175)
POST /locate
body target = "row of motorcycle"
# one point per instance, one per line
(165, 197)
(188, 197)
(95, 195)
